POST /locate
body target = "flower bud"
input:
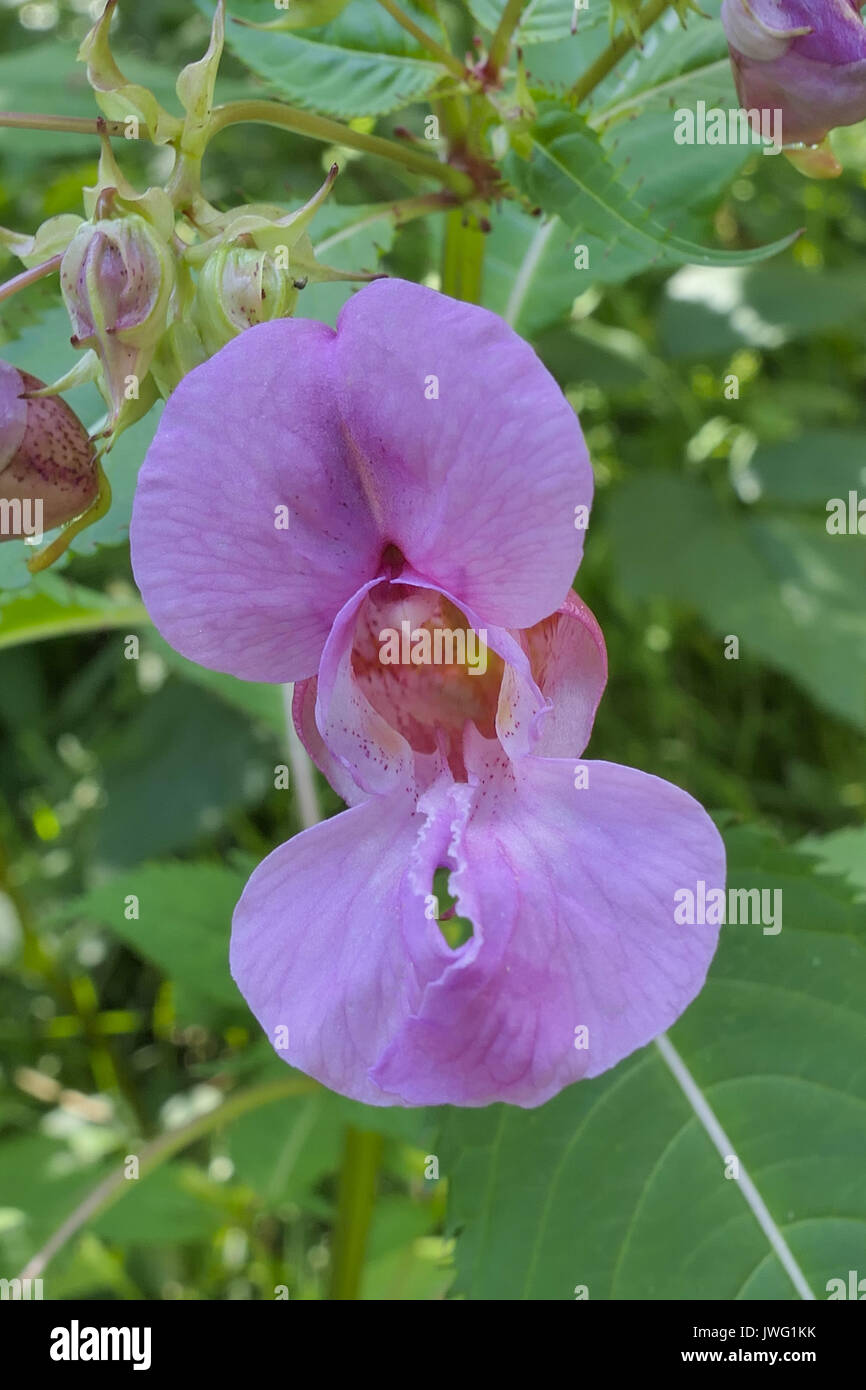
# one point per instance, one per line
(48, 469)
(239, 286)
(804, 59)
(117, 276)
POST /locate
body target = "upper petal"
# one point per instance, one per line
(253, 429)
(477, 488)
(478, 484)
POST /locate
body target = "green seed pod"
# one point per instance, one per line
(239, 286)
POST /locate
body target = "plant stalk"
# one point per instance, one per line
(462, 257)
(622, 44)
(73, 125)
(426, 40)
(362, 1156)
(501, 41)
(333, 133)
(29, 277)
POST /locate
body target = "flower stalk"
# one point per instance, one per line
(617, 49)
(275, 113)
(462, 257)
(442, 55)
(29, 277)
(501, 41)
(362, 1157)
(71, 125)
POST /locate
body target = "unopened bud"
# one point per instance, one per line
(240, 286)
(804, 59)
(48, 469)
(117, 276)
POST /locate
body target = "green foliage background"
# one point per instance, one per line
(155, 778)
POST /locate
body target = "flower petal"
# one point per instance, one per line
(371, 727)
(571, 893)
(569, 661)
(337, 430)
(319, 940)
(374, 753)
(253, 429)
(13, 413)
(477, 487)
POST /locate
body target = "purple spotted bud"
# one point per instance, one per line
(47, 464)
(117, 276)
(805, 58)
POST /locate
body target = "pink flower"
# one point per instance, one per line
(806, 58)
(432, 472)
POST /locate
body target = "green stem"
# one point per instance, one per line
(74, 125)
(501, 41)
(333, 133)
(399, 212)
(426, 40)
(29, 277)
(621, 45)
(462, 257)
(152, 1155)
(362, 1155)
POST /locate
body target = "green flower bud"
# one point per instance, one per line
(239, 286)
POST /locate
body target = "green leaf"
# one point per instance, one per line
(362, 24)
(790, 592)
(842, 852)
(618, 1185)
(675, 67)
(529, 274)
(712, 312)
(263, 702)
(315, 71)
(545, 21)
(183, 926)
(283, 1152)
(634, 111)
(809, 470)
(64, 609)
(162, 1208)
(214, 760)
(347, 238)
(571, 176)
(39, 1179)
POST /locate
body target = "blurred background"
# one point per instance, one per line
(131, 774)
